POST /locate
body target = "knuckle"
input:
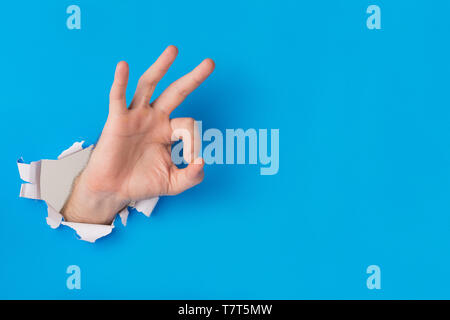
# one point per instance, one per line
(180, 91)
(197, 81)
(146, 82)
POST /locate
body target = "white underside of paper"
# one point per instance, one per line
(30, 173)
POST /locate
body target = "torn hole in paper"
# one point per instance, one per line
(51, 181)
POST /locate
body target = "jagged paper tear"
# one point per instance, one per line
(31, 173)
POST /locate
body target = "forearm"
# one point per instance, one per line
(87, 206)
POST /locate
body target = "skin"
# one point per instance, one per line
(132, 159)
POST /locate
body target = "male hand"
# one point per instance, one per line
(132, 159)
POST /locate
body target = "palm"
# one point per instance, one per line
(138, 149)
(133, 155)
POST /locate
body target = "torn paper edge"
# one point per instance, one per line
(89, 232)
(76, 146)
(30, 173)
(124, 216)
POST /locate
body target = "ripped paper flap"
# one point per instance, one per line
(51, 181)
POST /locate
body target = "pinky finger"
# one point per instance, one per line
(117, 96)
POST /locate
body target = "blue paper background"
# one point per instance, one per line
(364, 148)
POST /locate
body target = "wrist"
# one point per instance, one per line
(86, 205)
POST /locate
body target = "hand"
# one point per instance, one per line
(132, 159)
